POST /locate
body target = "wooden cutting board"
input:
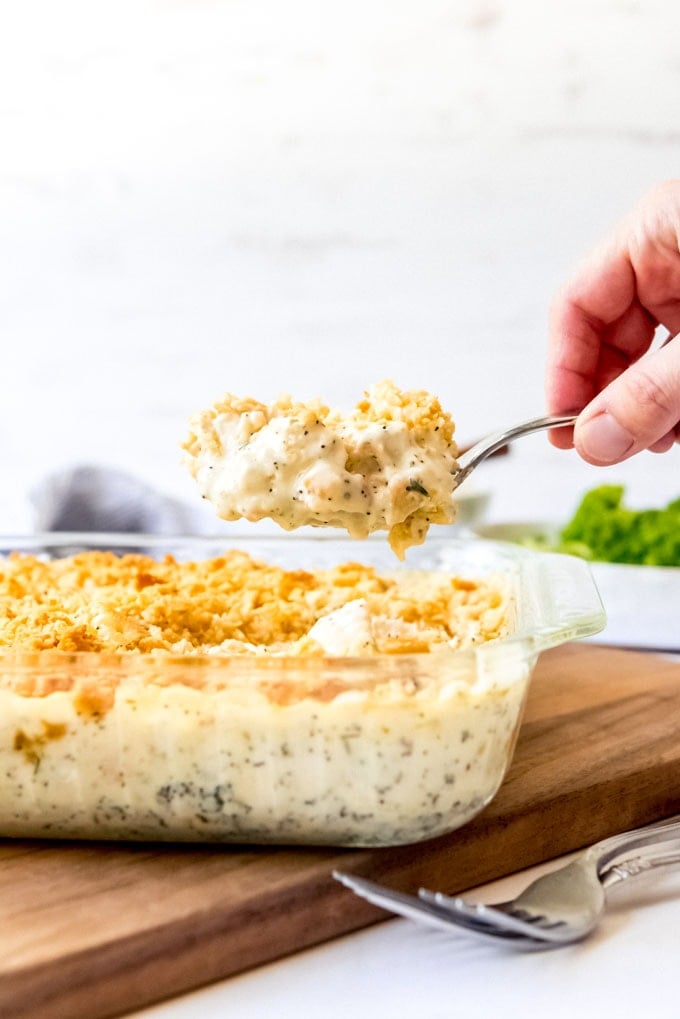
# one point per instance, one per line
(95, 930)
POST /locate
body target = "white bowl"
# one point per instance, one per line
(640, 601)
(472, 504)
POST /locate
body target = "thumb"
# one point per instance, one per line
(636, 411)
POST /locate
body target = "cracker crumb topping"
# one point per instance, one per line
(236, 604)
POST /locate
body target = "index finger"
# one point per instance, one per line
(583, 322)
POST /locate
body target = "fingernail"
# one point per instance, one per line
(603, 439)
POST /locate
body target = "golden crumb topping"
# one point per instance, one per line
(235, 604)
(419, 410)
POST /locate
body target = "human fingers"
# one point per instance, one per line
(581, 374)
(599, 294)
(638, 410)
(605, 317)
(663, 444)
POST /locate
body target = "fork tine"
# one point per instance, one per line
(495, 917)
(413, 908)
(456, 906)
(395, 902)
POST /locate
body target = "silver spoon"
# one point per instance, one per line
(485, 447)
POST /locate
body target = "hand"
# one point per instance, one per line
(601, 328)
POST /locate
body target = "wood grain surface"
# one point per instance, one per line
(97, 930)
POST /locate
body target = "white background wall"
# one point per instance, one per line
(261, 197)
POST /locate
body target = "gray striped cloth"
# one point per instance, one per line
(101, 499)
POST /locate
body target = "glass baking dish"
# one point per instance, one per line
(347, 751)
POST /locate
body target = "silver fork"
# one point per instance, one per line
(414, 908)
(560, 907)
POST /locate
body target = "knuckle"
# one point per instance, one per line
(649, 394)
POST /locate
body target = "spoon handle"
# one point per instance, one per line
(485, 447)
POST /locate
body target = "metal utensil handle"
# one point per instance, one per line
(610, 849)
(485, 447)
(659, 858)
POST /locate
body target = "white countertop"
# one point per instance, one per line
(626, 969)
(256, 197)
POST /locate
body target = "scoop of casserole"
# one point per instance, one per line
(389, 465)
